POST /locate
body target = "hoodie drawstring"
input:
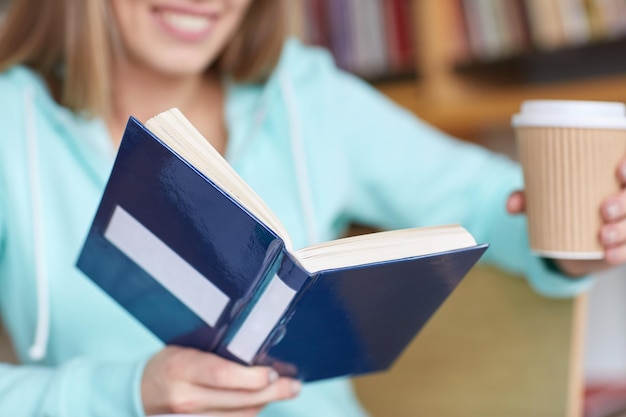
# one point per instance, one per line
(38, 349)
(299, 158)
(39, 346)
(285, 87)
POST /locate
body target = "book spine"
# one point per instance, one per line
(341, 42)
(518, 20)
(258, 320)
(405, 34)
(392, 35)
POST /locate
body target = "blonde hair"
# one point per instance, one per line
(75, 62)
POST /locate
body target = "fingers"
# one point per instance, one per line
(193, 398)
(213, 371)
(616, 255)
(614, 208)
(190, 381)
(516, 203)
(613, 231)
(249, 412)
(578, 268)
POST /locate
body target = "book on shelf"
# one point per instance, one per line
(369, 57)
(399, 36)
(192, 252)
(372, 39)
(495, 29)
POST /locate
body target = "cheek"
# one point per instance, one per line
(231, 21)
(125, 14)
(242, 4)
(132, 25)
(239, 8)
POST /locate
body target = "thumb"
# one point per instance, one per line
(516, 203)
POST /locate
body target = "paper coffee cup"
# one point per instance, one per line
(569, 151)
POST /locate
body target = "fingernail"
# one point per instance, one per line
(611, 256)
(272, 376)
(612, 210)
(609, 235)
(296, 386)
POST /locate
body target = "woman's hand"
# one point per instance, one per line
(189, 381)
(612, 234)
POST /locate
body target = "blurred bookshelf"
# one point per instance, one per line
(373, 39)
(466, 65)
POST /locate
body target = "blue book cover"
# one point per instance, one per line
(199, 268)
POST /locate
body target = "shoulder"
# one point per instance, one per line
(333, 92)
(315, 77)
(24, 93)
(313, 69)
(302, 60)
(20, 86)
(11, 87)
(17, 81)
(25, 106)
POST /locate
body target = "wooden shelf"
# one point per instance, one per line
(468, 109)
(463, 105)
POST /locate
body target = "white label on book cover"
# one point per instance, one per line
(164, 265)
(261, 320)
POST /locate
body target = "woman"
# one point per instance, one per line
(320, 147)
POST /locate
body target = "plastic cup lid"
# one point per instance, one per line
(571, 113)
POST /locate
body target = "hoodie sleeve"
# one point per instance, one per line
(407, 173)
(2, 222)
(80, 387)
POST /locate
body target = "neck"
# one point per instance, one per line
(143, 94)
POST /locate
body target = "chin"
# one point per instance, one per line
(178, 66)
(184, 71)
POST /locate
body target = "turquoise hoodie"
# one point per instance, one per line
(322, 148)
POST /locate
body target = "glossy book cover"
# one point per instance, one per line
(199, 270)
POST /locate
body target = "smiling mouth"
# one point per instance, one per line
(186, 26)
(186, 22)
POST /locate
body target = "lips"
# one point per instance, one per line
(184, 25)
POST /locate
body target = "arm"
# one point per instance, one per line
(187, 381)
(406, 173)
(173, 380)
(176, 380)
(80, 387)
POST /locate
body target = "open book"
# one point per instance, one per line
(190, 250)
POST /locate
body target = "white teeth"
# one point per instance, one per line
(187, 22)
